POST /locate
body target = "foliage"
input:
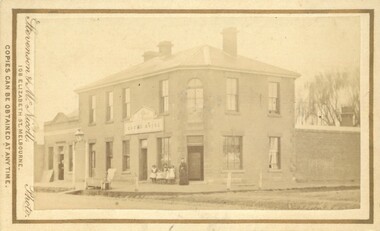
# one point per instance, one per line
(325, 96)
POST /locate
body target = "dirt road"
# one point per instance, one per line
(292, 199)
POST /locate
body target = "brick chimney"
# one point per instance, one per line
(230, 40)
(149, 55)
(347, 117)
(165, 48)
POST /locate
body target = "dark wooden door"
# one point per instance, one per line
(61, 167)
(195, 162)
(143, 175)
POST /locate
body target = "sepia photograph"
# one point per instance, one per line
(197, 112)
(142, 116)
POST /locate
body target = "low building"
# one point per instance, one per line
(59, 137)
(222, 112)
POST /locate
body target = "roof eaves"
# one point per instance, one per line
(293, 75)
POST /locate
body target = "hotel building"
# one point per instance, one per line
(220, 111)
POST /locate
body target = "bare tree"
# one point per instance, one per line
(325, 96)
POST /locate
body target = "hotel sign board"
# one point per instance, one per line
(144, 126)
(143, 121)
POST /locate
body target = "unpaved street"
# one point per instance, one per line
(291, 199)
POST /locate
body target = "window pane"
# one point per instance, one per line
(233, 102)
(232, 150)
(191, 93)
(199, 93)
(126, 165)
(274, 153)
(199, 103)
(231, 95)
(195, 96)
(128, 110)
(163, 152)
(166, 104)
(92, 110)
(110, 113)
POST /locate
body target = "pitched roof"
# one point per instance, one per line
(64, 118)
(196, 58)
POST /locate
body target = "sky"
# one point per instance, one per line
(77, 50)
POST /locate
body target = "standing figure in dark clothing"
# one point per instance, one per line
(60, 170)
(183, 178)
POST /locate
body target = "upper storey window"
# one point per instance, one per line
(274, 98)
(232, 102)
(164, 96)
(92, 111)
(109, 114)
(195, 96)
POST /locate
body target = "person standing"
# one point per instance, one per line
(153, 173)
(171, 175)
(60, 170)
(183, 178)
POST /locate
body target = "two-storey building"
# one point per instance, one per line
(220, 111)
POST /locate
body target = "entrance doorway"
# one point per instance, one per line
(61, 161)
(143, 160)
(195, 162)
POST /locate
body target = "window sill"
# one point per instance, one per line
(127, 172)
(164, 113)
(109, 122)
(91, 124)
(233, 171)
(275, 115)
(127, 119)
(275, 170)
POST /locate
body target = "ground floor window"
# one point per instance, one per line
(274, 153)
(232, 148)
(126, 155)
(163, 152)
(92, 160)
(109, 154)
(70, 158)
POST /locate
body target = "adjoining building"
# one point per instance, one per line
(59, 138)
(220, 111)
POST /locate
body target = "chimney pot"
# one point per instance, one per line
(148, 55)
(347, 117)
(230, 40)
(165, 48)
